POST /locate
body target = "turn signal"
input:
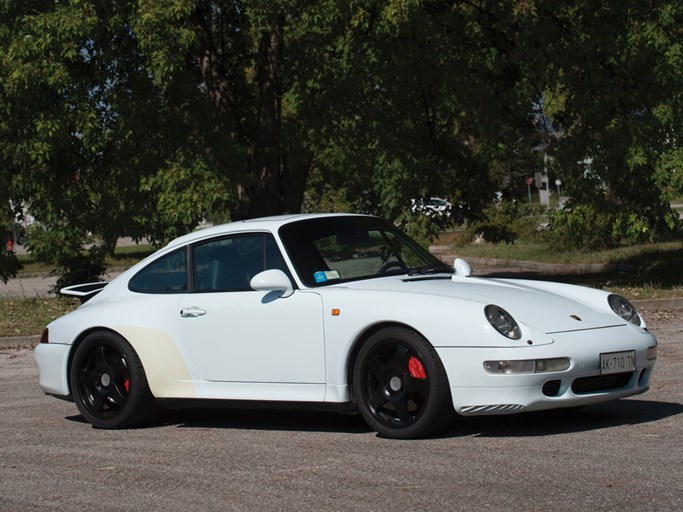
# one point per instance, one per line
(652, 353)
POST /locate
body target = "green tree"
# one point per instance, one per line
(610, 74)
(140, 117)
(89, 142)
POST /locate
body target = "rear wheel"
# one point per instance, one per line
(109, 384)
(400, 385)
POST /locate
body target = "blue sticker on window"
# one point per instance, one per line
(323, 276)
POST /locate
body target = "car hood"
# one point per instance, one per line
(549, 307)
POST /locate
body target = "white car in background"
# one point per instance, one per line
(432, 207)
(342, 311)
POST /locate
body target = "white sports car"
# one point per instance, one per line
(341, 311)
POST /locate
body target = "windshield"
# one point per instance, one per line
(330, 250)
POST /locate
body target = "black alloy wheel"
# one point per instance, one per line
(108, 383)
(400, 385)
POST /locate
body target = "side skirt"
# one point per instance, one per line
(201, 403)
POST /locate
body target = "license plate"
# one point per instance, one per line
(618, 362)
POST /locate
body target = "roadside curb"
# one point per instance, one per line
(673, 302)
(19, 341)
(47, 275)
(536, 266)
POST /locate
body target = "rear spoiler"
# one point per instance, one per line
(84, 292)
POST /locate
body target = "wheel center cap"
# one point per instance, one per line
(105, 379)
(395, 383)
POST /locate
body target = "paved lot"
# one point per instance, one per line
(625, 455)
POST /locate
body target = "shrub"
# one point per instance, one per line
(581, 227)
(608, 225)
(503, 221)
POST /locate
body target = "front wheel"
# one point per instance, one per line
(400, 385)
(109, 384)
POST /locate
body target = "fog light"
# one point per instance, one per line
(559, 364)
(652, 353)
(521, 366)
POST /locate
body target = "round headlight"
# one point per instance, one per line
(624, 309)
(502, 322)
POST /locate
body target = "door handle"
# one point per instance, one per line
(192, 312)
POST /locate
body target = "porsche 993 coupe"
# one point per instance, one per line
(341, 311)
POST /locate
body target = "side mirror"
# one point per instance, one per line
(272, 281)
(462, 268)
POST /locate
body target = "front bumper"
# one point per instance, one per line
(476, 392)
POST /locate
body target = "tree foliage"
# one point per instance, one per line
(615, 100)
(140, 117)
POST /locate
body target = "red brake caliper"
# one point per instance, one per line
(126, 384)
(416, 369)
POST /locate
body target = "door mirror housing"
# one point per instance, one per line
(273, 280)
(462, 268)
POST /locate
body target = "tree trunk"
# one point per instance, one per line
(272, 184)
(264, 196)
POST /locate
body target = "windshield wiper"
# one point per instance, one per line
(430, 269)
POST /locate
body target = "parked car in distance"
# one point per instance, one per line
(337, 311)
(431, 207)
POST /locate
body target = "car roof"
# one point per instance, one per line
(271, 224)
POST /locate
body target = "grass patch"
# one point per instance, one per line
(543, 252)
(631, 284)
(29, 316)
(124, 257)
(630, 290)
(130, 255)
(644, 271)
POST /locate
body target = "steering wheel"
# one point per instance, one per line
(390, 264)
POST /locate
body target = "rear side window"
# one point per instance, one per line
(165, 275)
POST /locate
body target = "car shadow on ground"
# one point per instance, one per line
(249, 419)
(265, 419)
(564, 421)
(542, 423)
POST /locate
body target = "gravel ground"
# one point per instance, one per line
(624, 455)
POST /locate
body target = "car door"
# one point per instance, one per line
(236, 334)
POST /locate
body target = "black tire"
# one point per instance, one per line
(109, 384)
(400, 385)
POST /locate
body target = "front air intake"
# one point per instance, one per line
(585, 385)
(551, 388)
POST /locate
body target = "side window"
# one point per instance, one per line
(228, 264)
(165, 275)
